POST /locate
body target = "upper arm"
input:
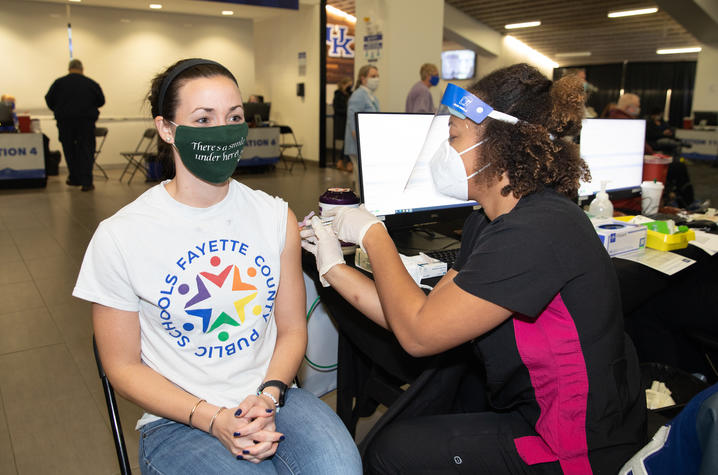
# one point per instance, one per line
(449, 317)
(118, 336)
(503, 273)
(426, 103)
(291, 298)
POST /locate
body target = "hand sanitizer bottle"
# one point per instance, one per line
(601, 206)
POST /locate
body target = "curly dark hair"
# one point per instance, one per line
(526, 151)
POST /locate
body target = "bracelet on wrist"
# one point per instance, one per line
(270, 396)
(194, 408)
(211, 423)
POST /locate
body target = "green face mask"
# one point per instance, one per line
(211, 153)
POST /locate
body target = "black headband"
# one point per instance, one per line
(176, 72)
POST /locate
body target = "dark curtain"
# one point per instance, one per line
(650, 81)
(607, 78)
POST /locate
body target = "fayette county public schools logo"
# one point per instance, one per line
(222, 313)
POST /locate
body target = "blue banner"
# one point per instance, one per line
(288, 4)
(10, 174)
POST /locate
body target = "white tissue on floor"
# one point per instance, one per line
(658, 396)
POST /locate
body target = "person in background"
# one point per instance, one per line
(588, 88)
(628, 107)
(75, 100)
(539, 305)
(659, 133)
(8, 117)
(199, 303)
(588, 111)
(361, 100)
(256, 98)
(341, 99)
(419, 98)
(660, 136)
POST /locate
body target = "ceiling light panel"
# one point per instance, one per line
(526, 24)
(640, 11)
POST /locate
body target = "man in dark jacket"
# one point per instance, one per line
(75, 100)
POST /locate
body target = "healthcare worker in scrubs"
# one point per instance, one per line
(533, 291)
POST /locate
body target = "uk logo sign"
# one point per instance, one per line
(339, 42)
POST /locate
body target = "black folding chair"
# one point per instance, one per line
(114, 415)
(287, 140)
(100, 132)
(136, 160)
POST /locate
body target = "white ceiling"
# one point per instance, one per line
(582, 25)
(190, 7)
(568, 25)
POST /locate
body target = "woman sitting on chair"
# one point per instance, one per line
(198, 303)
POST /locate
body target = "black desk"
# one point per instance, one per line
(662, 312)
(372, 365)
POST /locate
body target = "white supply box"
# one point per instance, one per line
(619, 237)
(419, 267)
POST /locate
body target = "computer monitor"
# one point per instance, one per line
(613, 150)
(458, 64)
(702, 118)
(389, 146)
(256, 110)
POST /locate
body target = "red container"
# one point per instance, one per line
(23, 122)
(688, 122)
(655, 168)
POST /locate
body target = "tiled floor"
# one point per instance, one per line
(52, 410)
(53, 417)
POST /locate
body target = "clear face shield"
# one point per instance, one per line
(440, 158)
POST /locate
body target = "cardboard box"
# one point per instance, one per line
(619, 237)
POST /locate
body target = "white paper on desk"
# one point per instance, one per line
(706, 241)
(666, 262)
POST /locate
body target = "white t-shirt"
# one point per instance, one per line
(204, 281)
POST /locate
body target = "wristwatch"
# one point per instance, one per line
(277, 384)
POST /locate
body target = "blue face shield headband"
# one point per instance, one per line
(460, 103)
(463, 104)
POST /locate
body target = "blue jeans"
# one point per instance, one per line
(316, 443)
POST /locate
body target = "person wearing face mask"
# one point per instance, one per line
(339, 103)
(628, 107)
(533, 293)
(361, 100)
(198, 302)
(419, 98)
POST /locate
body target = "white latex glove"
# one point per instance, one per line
(321, 241)
(351, 224)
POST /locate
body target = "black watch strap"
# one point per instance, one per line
(277, 384)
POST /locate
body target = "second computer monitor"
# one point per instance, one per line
(613, 150)
(256, 111)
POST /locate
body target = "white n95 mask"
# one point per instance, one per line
(372, 83)
(448, 174)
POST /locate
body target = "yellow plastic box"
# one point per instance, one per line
(665, 242)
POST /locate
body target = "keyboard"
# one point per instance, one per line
(446, 255)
